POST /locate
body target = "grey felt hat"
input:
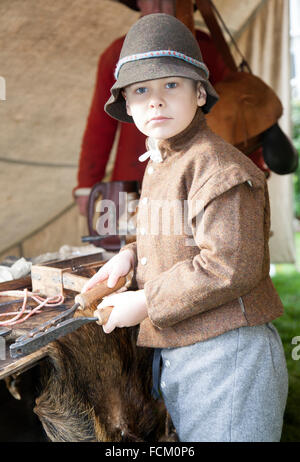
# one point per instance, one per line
(157, 46)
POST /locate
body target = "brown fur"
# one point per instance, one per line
(97, 387)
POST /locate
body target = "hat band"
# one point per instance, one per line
(159, 54)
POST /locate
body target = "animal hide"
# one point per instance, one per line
(97, 387)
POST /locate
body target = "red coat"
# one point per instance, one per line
(101, 128)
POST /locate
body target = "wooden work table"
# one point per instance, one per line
(78, 265)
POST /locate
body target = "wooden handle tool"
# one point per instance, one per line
(95, 294)
(64, 323)
(103, 314)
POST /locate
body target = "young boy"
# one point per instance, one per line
(205, 298)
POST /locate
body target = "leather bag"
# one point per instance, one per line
(248, 110)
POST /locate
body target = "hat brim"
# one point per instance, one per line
(151, 69)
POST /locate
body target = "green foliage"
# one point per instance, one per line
(287, 284)
(296, 141)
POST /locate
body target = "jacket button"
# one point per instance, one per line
(167, 363)
(145, 200)
(143, 260)
(249, 183)
(150, 170)
(163, 384)
(142, 231)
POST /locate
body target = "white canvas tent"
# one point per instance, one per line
(48, 52)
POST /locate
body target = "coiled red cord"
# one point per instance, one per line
(23, 314)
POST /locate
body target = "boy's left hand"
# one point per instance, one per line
(130, 309)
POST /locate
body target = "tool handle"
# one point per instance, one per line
(96, 293)
(103, 314)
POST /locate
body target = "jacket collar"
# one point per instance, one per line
(181, 142)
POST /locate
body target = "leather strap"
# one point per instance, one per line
(185, 13)
(156, 373)
(206, 9)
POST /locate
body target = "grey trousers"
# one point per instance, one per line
(229, 388)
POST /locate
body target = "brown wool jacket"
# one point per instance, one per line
(213, 274)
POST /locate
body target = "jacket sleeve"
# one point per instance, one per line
(100, 128)
(132, 246)
(231, 243)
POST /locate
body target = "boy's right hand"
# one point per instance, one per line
(119, 265)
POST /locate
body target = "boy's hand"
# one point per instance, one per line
(119, 265)
(130, 309)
